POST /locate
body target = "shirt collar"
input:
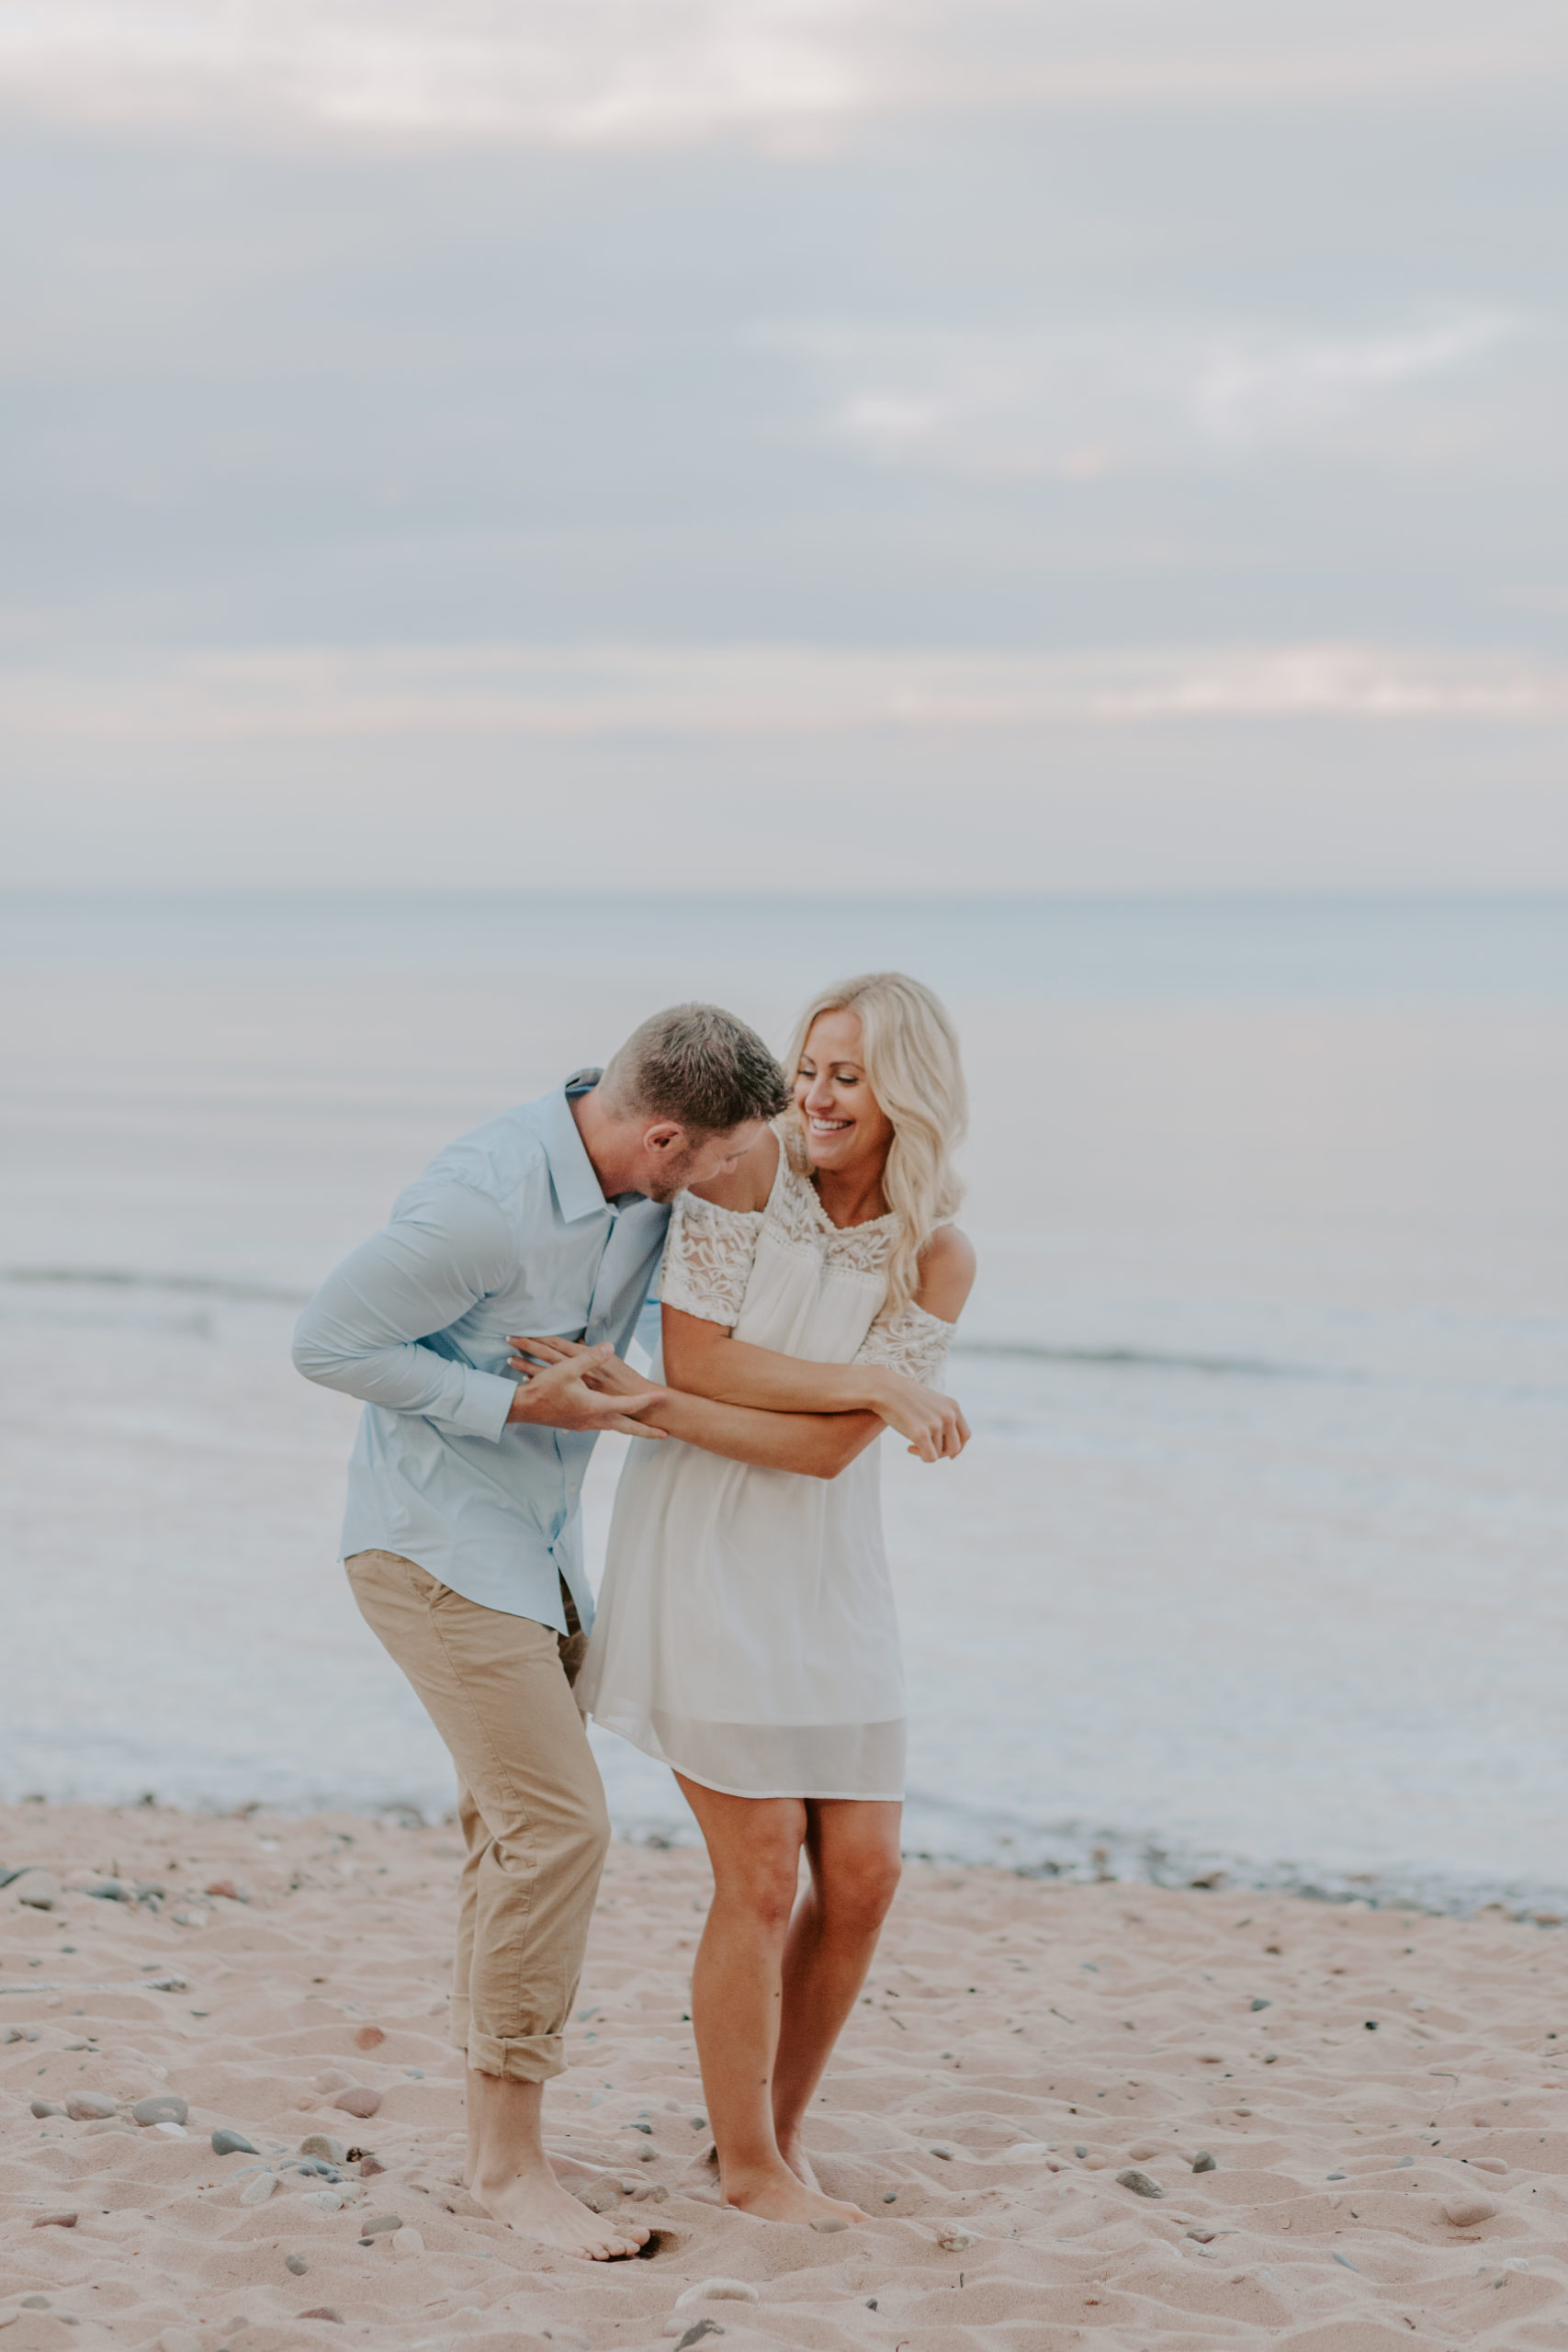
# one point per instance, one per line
(577, 1190)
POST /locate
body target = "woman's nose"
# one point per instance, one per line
(820, 1099)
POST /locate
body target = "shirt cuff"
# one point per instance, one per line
(483, 1408)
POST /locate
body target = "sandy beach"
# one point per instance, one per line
(1380, 2094)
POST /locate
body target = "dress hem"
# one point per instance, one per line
(761, 1796)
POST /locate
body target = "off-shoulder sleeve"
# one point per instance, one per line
(708, 1255)
(911, 1341)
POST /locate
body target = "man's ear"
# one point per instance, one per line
(664, 1135)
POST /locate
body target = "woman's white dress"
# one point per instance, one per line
(746, 1631)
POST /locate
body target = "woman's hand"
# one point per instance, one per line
(933, 1424)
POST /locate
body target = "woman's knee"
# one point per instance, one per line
(763, 1883)
(856, 1891)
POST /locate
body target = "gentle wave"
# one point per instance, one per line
(188, 1285)
(1114, 1359)
(1124, 1359)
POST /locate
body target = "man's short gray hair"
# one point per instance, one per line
(697, 1065)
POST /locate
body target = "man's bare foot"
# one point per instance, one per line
(792, 2148)
(537, 2206)
(778, 2195)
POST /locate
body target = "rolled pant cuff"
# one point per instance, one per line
(531, 2058)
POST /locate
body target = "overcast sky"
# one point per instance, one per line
(828, 444)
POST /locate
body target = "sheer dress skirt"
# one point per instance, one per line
(747, 1634)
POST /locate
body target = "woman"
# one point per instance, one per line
(746, 1631)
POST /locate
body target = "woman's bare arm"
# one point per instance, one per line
(704, 1360)
(815, 1446)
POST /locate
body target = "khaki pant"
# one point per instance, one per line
(498, 1688)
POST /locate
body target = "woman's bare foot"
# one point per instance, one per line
(779, 2195)
(537, 2206)
(792, 2148)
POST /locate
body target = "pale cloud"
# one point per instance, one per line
(750, 690)
(1077, 403)
(649, 73)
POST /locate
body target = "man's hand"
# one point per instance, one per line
(933, 1424)
(569, 1386)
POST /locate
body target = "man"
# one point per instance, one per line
(463, 1538)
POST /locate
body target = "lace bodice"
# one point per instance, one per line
(708, 1256)
(911, 1341)
(710, 1252)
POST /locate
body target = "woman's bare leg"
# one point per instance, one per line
(853, 1849)
(737, 1994)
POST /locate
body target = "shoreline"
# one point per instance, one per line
(1081, 1856)
(1381, 2092)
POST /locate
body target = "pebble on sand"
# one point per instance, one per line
(379, 2223)
(161, 2106)
(231, 2144)
(296, 2264)
(369, 2037)
(54, 2220)
(358, 2101)
(90, 2107)
(406, 2243)
(1469, 2207)
(1205, 2162)
(323, 2311)
(1139, 2183)
(322, 2144)
(257, 2191)
(42, 2106)
(38, 1890)
(716, 2290)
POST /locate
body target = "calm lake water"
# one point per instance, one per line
(1259, 1559)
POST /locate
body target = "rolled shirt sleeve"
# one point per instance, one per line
(364, 1331)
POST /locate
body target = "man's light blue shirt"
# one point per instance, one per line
(506, 1231)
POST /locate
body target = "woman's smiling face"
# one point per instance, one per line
(846, 1128)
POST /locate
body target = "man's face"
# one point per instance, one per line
(675, 1162)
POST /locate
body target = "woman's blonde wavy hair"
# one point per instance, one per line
(910, 1055)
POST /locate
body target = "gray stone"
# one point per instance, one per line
(716, 2290)
(161, 2106)
(231, 2143)
(1139, 2183)
(1260, 2002)
(829, 2223)
(90, 2107)
(1080, 2149)
(42, 2106)
(112, 1890)
(379, 2223)
(296, 2264)
(1205, 2162)
(321, 2144)
(257, 2191)
(37, 1890)
(695, 2333)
